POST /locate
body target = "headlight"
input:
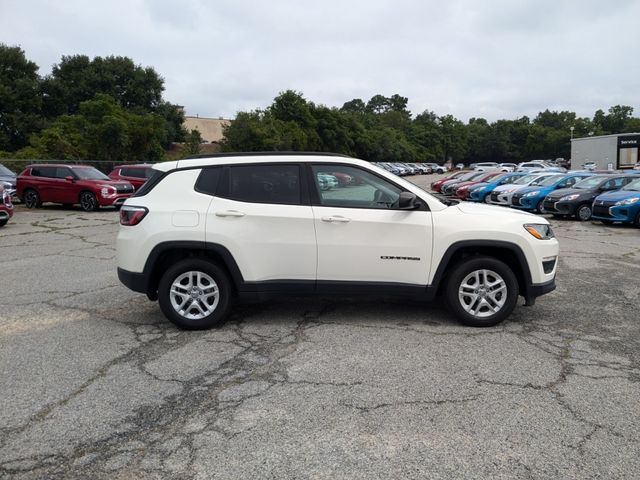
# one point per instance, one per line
(532, 194)
(6, 185)
(541, 231)
(107, 191)
(568, 198)
(628, 201)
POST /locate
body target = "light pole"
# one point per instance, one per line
(571, 128)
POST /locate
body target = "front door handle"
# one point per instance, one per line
(230, 213)
(336, 219)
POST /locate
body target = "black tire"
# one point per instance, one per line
(583, 212)
(636, 222)
(32, 199)
(169, 302)
(540, 207)
(487, 198)
(507, 297)
(88, 202)
(3, 222)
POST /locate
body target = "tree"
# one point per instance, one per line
(614, 121)
(20, 98)
(102, 130)
(355, 106)
(193, 143)
(77, 79)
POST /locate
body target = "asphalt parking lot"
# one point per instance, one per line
(95, 383)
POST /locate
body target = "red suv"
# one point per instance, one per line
(135, 174)
(6, 207)
(69, 185)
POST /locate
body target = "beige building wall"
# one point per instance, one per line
(209, 128)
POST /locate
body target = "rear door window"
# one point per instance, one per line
(277, 184)
(48, 172)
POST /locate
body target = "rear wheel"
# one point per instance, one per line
(32, 199)
(583, 212)
(88, 202)
(194, 294)
(481, 291)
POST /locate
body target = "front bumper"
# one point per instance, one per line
(113, 201)
(525, 203)
(561, 208)
(616, 213)
(537, 290)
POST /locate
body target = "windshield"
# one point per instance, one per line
(588, 183)
(633, 186)
(525, 180)
(547, 182)
(5, 171)
(539, 180)
(89, 173)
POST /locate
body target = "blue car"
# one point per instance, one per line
(532, 198)
(620, 206)
(481, 191)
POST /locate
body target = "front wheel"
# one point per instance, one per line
(194, 294)
(583, 213)
(481, 291)
(3, 222)
(88, 202)
(540, 207)
(636, 222)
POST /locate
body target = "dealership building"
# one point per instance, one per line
(608, 152)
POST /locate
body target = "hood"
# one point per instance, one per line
(618, 195)
(509, 186)
(496, 211)
(561, 192)
(8, 178)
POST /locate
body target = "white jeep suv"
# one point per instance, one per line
(205, 231)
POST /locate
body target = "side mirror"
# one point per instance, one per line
(69, 178)
(407, 201)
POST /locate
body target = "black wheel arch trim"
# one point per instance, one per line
(527, 288)
(145, 283)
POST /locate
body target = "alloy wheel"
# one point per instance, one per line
(482, 293)
(194, 295)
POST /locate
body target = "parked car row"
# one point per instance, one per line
(68, 185)
(402, 169)
(609, 197)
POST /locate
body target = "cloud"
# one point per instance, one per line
(501, 60)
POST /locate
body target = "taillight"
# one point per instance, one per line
(131, 216)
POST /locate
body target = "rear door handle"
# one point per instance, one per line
(230, 213)
(336, 219)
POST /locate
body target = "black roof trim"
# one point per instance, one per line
(262, 154)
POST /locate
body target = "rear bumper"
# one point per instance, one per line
(137, 282)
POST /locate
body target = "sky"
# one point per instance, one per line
(469, 58)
